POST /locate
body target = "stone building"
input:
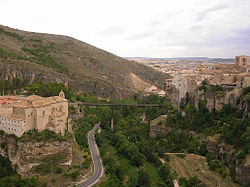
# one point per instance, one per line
(21, 114)
(184, 87)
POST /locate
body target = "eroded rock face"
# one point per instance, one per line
(25, 155)
(215, 100)
(242, 173)
(14, 70)
(156, 127)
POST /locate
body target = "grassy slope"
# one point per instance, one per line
(88, 66)
(194, 165)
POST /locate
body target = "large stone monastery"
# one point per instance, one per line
(21, 114)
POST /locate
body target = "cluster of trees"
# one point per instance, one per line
(41, 56)
(47, 89)
(9, 177)
(5, 167)
(9, 86)
(84, 125)
(228, 123)
(129, 153)
(178, 142)
(213, 88)
(190, 182)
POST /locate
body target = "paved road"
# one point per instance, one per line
(98, 167)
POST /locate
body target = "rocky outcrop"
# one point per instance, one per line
(215, 100)
(242, 172)
(31, 72)
(75, 111)
(26, 154)
(156, 127)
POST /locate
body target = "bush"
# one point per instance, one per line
(74, 175)
(43, 168)
(59, 170)
(41, 136)
(5, 167)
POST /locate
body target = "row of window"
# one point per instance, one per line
(10, 129)
(8, 124)
(10, 120)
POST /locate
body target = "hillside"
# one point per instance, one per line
(190, 165)
(47, 57)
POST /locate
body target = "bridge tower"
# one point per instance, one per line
(143, 116)
(112, 118)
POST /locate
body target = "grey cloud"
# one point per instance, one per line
(139, 36)
(204, 14)
(197, 27)
(155, 23)
(112, 31)
(238, 38)
(241, 37)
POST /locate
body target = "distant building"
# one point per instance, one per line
(184, 87)
(154, 90)
(21, 114)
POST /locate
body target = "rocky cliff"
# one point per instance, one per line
(215, 99)
(24, 155)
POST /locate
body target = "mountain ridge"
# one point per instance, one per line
(65, 59)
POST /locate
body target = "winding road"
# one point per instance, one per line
(97, 160)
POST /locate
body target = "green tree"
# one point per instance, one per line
(143, 178)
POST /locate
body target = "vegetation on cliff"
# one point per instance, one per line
(47, 57)
(230, 125)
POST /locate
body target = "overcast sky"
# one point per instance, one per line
(132, 28)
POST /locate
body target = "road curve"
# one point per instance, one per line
(97, 160)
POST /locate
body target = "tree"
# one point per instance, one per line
(143, 178)
(166, 175)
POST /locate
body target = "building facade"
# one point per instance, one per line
(21, 114)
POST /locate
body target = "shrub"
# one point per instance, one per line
(59, 170)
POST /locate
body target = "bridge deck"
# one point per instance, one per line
(119, 104)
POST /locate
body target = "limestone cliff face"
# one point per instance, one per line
(215, 100)
(25, 155)
(156, 127)
(29, 72)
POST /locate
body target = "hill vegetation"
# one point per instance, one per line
(46, 57)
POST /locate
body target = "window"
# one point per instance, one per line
(44, 112)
